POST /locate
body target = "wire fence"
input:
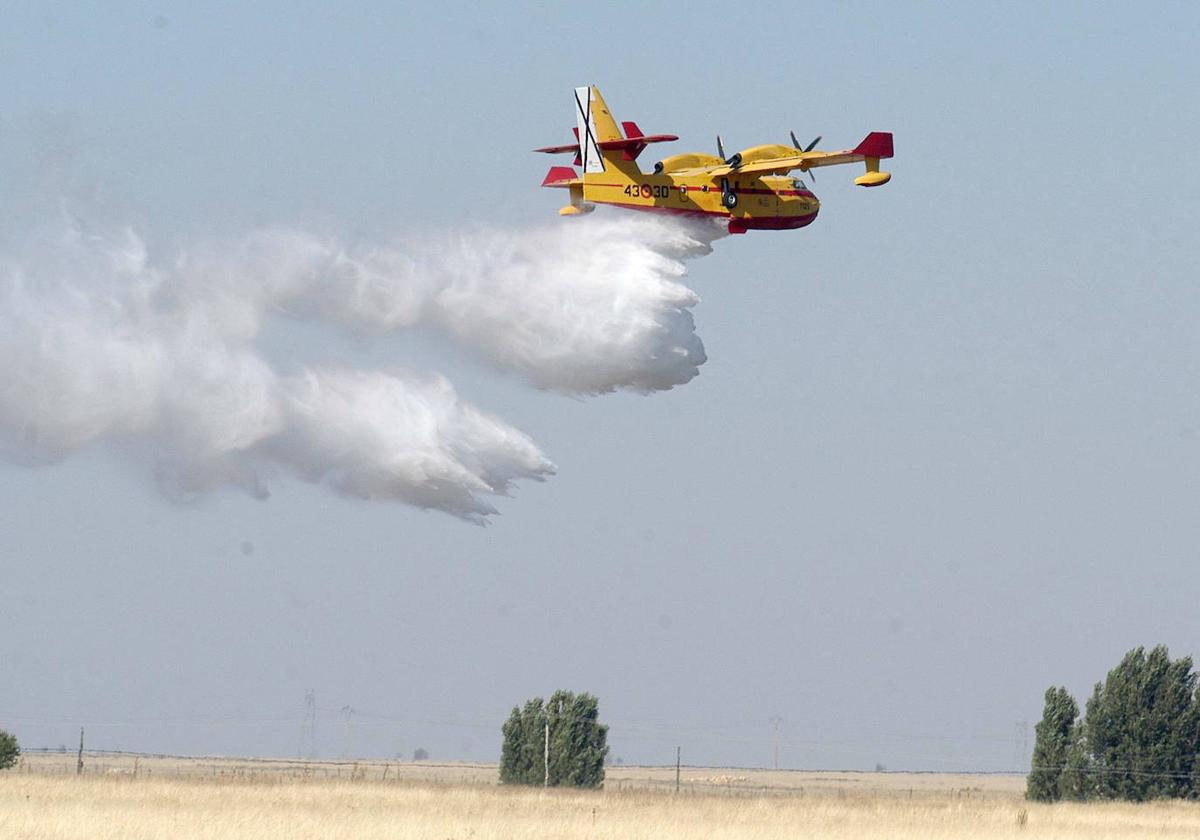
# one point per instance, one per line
(341, 720)
(120, 765)
(330, 731)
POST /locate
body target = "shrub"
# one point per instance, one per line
(10, 751)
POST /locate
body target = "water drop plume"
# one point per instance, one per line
(160, 356)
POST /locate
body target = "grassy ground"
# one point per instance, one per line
(210, 798)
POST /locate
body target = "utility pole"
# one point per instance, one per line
(546, 757)
(1021, 742)
(678, 753)
(308, 729)
(79, 762)
(776, 723)
(348, 716)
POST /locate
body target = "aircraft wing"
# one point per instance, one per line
(876, 145)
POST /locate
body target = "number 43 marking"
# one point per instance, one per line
(647, 191)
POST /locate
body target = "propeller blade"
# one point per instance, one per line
(720, 147)
(807, 148)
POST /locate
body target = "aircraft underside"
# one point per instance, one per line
(736, 224)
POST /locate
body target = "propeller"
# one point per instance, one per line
(735, 161)
(807, 148)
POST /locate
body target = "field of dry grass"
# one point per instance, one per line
(225, 798)
(619, 778)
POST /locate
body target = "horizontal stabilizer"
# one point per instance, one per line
(632, 145)
(623, 143)
(630, 142)
(553, 150)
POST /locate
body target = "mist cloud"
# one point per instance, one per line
(102, 344)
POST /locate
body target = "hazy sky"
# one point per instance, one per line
(945, 450)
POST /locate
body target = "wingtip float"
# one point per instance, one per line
(752, 188)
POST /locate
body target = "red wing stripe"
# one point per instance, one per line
(739, 192)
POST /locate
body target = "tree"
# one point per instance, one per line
(10, 750)
(577, 742)
(521, 760)
(1078, 781)
(1143, 728)
(1139, 738)
(1054, 738)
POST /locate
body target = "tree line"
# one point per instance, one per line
(1139, 737)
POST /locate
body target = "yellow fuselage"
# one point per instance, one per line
(770, 202)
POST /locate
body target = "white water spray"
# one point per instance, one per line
(101, 344)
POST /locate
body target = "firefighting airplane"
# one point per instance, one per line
(751, 188)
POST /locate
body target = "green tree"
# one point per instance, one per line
(1143, 728)
(578, 742)
(1054, 737)
(521, 755)
(10, 751)
(1078, 781)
